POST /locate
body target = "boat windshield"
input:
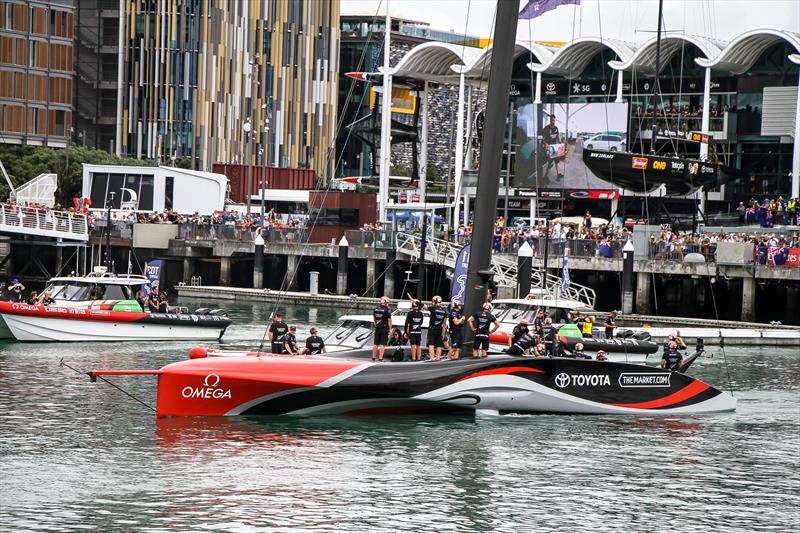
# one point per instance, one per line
(75, 291)
(351, 333)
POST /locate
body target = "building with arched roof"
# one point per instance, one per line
(740, 95)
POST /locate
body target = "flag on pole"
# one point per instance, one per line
(565, 274)
(534, 8)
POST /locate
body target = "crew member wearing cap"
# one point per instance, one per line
(290, 341)
(456, 326)
(601, 355)
(518, 331)
(314, 344)
(413, 330)
(277, 330)
(382, 318)
(481, 324)
(437, 328)
(15, 290)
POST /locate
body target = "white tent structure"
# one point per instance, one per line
(41, 190)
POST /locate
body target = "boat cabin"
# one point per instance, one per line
(99, 285)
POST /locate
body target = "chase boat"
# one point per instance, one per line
(100, 307)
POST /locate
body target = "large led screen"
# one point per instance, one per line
(550, 140)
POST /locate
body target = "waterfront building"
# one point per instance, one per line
(742, 94)
(36, 72)
(186, 80)
(361, 50)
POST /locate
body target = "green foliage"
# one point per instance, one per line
(23, 163)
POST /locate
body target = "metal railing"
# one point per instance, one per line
(213, 232)
(44, 222)
(504, 267)
(675, 252)
(380, 240)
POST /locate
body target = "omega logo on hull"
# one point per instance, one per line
(209, 389)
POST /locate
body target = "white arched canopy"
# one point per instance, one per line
(571, 59)
(644, 59)
(432, 61)
(742, 52)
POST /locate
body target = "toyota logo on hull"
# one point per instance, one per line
(562, 380)
(582, 380)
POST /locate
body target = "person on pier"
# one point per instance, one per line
(456, 327)
(277, 330)
(437, 328)
(482, 325)
(382, 319)
(413, 329)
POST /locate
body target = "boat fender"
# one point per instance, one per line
(198, 352)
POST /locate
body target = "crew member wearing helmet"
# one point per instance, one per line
(382, 318)
(672, 358)
(481, 324)
(437, 328)
(456, 326)
(601, 355)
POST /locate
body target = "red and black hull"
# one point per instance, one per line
(273, 385)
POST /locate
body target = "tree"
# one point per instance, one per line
(23, 163)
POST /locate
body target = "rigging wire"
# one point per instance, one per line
(287, 281)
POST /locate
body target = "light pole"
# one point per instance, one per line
(265, 156)
(247, 127)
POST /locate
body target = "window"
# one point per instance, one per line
(8, 18)
(34, 114)
(60, 124)
(348, 217)
(32, 53)
(168, 192)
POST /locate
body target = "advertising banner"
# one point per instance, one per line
(788, 257)
(460, 275)
(551, 139)
(152, 270)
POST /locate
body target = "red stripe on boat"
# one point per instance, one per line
(689, 391)
(505, 370)
(69, 313)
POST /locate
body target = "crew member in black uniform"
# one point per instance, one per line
(480, 324)
(277, 330)
(672, 358)
(679, 343)
(382, 318)
(413, 330)
(550, 141)
(314, 344)
(437, 327)
(610, 324)
(518, 331)
(456, 326)
(396, 338)
(290, 341)
(548, 334)
(579, 353)
(538, 320)
(523, 344)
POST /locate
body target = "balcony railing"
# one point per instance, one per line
(43, 221)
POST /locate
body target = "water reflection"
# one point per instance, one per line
(79, 455)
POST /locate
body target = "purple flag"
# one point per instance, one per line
(534, 8)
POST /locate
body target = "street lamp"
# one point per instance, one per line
(247, 127)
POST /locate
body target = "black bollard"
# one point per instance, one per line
(627, 278)
(524, 261)
(341, 275)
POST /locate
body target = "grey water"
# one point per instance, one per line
(81, 456)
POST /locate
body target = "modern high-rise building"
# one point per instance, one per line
(36, 71)
(211, 81)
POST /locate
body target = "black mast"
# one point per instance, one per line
(478, 274)
(656, 84)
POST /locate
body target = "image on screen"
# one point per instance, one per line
(550, 146)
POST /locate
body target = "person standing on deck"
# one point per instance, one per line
(276, 331)
(610, 324)
(413, 330)
(382, 319)
(456, 325)
(437, 327)
(481, 325)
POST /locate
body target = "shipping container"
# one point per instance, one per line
(277, 178)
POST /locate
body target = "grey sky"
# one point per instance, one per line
(629, 20)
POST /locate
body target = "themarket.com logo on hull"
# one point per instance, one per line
(660, 379)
